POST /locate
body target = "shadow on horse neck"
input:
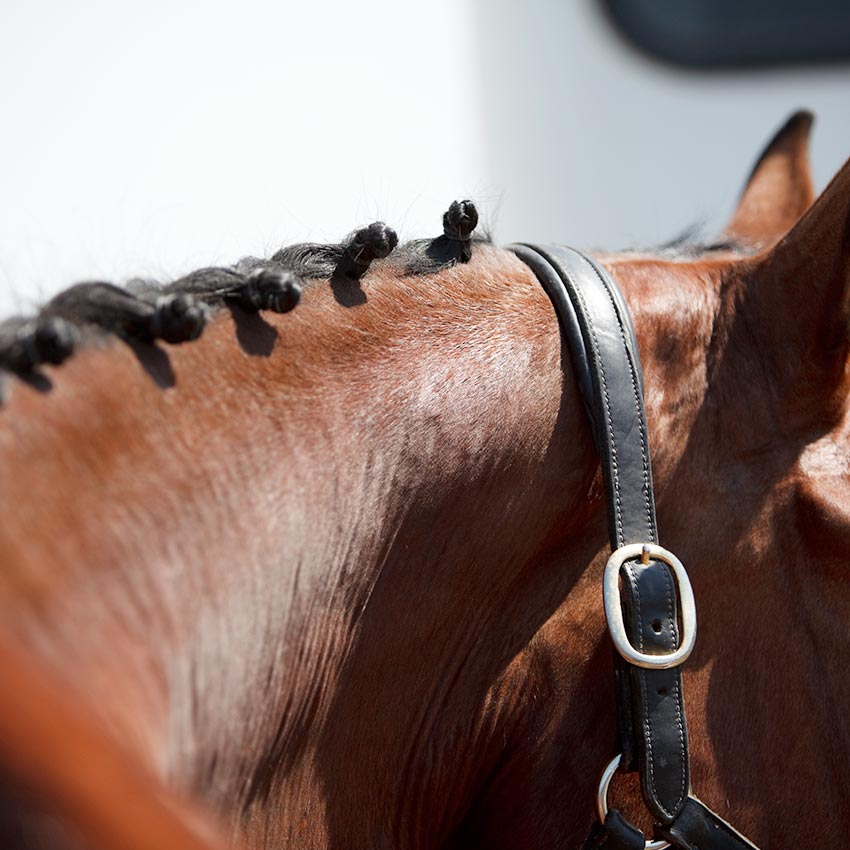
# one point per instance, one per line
(335, 583)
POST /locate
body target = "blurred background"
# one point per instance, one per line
(153, 138)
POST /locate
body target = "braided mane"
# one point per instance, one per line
(143, 311)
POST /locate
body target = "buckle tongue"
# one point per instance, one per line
(614, 612)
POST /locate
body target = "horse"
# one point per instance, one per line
(307, 552)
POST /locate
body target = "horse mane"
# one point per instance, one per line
(691, 244)
(146, 311)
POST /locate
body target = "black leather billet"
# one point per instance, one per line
(657, 709)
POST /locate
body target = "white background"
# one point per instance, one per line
(150, 138)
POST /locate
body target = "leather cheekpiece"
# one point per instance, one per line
(596, 323)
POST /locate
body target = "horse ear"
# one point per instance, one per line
(779, 189)
(802, 284)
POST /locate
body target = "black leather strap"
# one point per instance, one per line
(615, 834)
(657, 706)
(599, 331)
(601, 339)
(651, 717)
(699, 828)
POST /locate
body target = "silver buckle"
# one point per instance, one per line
(602, 801)
(614, 613)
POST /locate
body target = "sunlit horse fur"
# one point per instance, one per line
(336, 582)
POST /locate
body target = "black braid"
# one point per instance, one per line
(426, 256)
(254, 285)
(351, 258)
(272, 289)
(177, 318)
(366, 245)
(25, 344)
(172, 317)
(459, 220)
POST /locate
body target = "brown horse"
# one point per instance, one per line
(331, 579)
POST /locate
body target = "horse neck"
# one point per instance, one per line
(199, 559)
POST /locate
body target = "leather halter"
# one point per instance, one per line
(646, 588)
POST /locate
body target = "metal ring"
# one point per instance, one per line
(602, 801)
(614, 612)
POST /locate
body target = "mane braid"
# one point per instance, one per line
(253, 285)
(146, 311)
(173, 317)
(417, 257)
(352, 257)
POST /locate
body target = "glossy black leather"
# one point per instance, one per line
(599, 332)
(699, 828)
(615, 834)
(602, 342)
(657, 705)
(651, 718)
(552, 283)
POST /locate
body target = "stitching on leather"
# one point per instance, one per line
(651, 534)
(608, 419)
(649, 754)
(630, 570)
(668, 582)
(680, 725)
(638, 406)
